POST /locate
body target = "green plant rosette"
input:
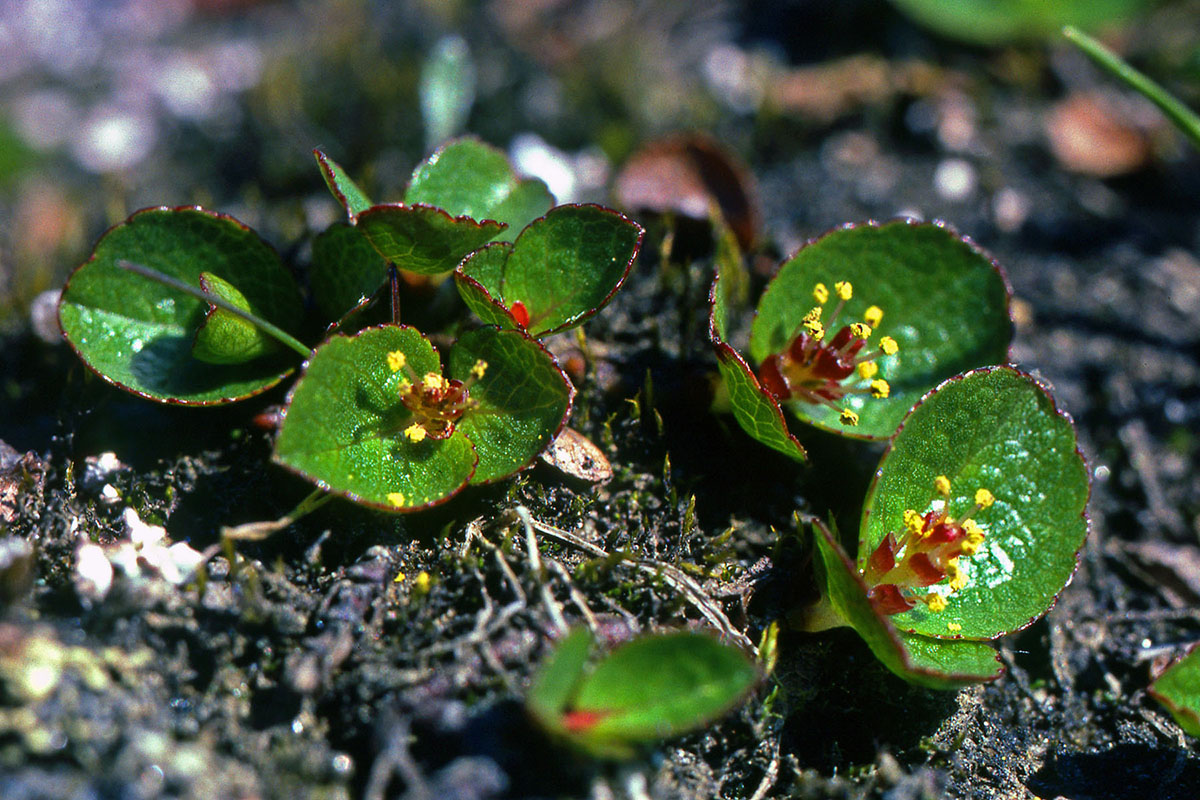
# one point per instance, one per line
(139, 335)
(562, 269)
(344, 423)
(944, 301)
(998, 429)
(645, 690)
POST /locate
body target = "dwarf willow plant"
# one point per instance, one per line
(645, 690)
(377, 415)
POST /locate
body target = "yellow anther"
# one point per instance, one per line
(480, 368)
(972, 530)
(848, 417)
(396, 499)
(969, 548)
(958, 578)
(888, 345)
(404, 387)
(913, 521)
(844, 290)
(422, 582)
(396, 360)
(872, 316)
(867, 370)
(984, 498)
(821, 294)
(434, 381)
(815, 328)
(941, 485)
(880, 388)
(936, 602)
(813, 314)
(860, 329)
(953, 627)
(415, 432)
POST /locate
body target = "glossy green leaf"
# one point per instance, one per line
(558, 679)
(344, 424)
(647, 689)
(563, 268)
(944, 301)
(997, 429)
(999, 21)
(487, 269)
(138, 334)
(523, 399)
(936, 663)
(352, 198)
(346, 270)
(224, 337)
(423, 239)
(755, 410)
(1178, 688)
(469, 178)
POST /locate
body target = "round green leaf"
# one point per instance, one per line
(999, 21)
(563, 268)
(421, 238)
(226, 338)
(755, 410)
(352, 198)
(657, 686)
(466, 177)
(138, 334)
(346, 270)
(1179, 690)
(344, 424)
(936, 663)
(523, 399)
(997, 429)
(944, 301)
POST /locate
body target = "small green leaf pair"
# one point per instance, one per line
(648, 689)
(857, 326)
(970, 530)
(375, 416)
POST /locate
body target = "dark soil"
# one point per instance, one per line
(318, 664)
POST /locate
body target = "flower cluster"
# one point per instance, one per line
(822, 370)
(435, 402)
(925, 553)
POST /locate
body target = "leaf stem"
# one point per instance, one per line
(271, 330)
(394, 280)
(257, 531)
(1183, 117)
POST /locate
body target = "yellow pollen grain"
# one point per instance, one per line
(953, 626)
(936, 602)
(397, 500)
(941, 485)
(860, 329)
(958, 582)
(913, 521)
(814, 314)
(821, 294)
(872, 316)
(844, 290)
(433, 381)
(984, 498)
(867, 370)
(415, 432)
(396, 360)
(480, 368)
(888, 345)
(399, 578)
(880, 388)
(848, 417)
(422, 582)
